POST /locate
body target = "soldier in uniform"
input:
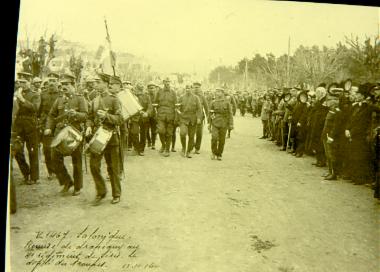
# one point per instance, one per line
(37, 85)
(68, 109)
(265, 115)
(140, 121)
(231, 99)
(165, 100)
(25, 129)
(53, 77)
(47, 100)
(190, 115)
(152, 129)
(199, 127)
(25, 75)
(105, 111)
(242, 104)
(220, 121)
(329, 136)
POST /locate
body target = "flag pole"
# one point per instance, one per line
(110, 48)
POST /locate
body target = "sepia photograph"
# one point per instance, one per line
(194, 136)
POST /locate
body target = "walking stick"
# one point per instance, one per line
(290, 130)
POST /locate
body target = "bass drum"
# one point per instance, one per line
(99, 141)
(67, 140)
(129, 104)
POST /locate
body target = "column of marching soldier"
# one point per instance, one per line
(43, 110)
(338, 123)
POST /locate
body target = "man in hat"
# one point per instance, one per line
(69, 109)
(89, 87)
(25, 130)
(152, 128)
(94, 92)
(69, 76)
(165, 101)
(139, 122)
(220, 120)
(357, 130)
(329, 133)
(199, 127)
(299, 123)
(24, 75)
(265, 115)
(105, 111)
(47, 101)
(37, 85)
(190, 115)
(53, 77)
(231, 100)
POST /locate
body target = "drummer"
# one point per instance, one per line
(69, 109)
(105, 112)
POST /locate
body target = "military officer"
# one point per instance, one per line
(37, 84)
(190, 115)
(220, 121)
(25, 130)
(152, 128)
(165, 100)
(47, 100)
(105, 112)
(139, 122)
(53, 77)
(199, 127)
(68, 109)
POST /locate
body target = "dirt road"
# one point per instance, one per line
(258, 209)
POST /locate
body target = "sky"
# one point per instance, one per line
(195, 36)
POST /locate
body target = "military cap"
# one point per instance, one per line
(220, 89)
(65, 80)
(53, 75)
(127, 82)
(104, 77)
(166, 80)
(25, 75)
(322, 85)
(151, 83)
(36, 80)
(68, 75)
(114, 80)
(197, 83)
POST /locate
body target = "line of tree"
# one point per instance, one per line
(353, 59)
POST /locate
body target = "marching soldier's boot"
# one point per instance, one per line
(214, 146)
(332, 175)
(183, 143)
(154, 135)
(163, 142)
(173, 140)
